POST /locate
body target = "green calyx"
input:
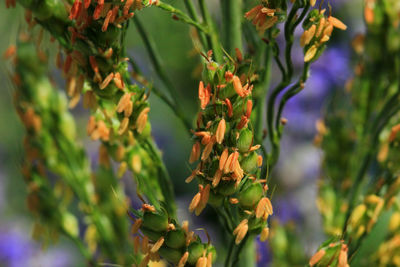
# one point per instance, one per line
(249, 163)
(250, 195)
(156, 221)
(175, 238)
(245, 140)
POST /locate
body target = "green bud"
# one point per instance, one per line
(251, 195)
(227, 92)
(170, 254)
(175, 238)
(238, 108)
(245, 140)
(152, 235)
(215, 199)
(156, 221)
(196, 250)
(226, 188)
(249, 163)
(70, 224)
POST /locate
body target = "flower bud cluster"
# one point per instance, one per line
(317, 31)
(227, 160)
(389, 251)
(53, 156)
(156, 235)
(331, 254)
(365, 215)
(263, 16)
(92, 60)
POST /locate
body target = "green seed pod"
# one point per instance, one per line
(196, 250)
(107, 92)
(238, 108)
(226, 188)
(250, 195)
(156, 221)
(215, 199)
(175, 238)
(152, 235)
(249, 163)
(227, 92)
(245, 140)
(170, 254)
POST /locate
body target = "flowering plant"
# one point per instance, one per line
(236, 134)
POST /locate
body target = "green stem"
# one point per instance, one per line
(387, 112)
(193, 14)
(291, 92)
(230, 253)
(213, 39)
(182, 16)
(164, 179)
(156, 61)
(178, 112)
(232, 14)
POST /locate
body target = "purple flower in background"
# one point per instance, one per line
(264, 256)
(286, 209)
(17, 249)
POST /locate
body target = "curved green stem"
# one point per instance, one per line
(181, 15)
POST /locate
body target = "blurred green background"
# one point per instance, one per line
(297, 171)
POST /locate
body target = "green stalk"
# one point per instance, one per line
(164, 180)
(193, 14)
(179, 114)
(182, 16)
(232, 23)
(156, 61)
(213, 39)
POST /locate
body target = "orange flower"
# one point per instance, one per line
(237, 85)
(204, 95)
(195, 154)
(317, 257)
(241, 231)
(249, 108)
(229, 105)
(220, 131)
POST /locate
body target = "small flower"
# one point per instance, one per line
(342, 261)
(136, 225)
(337, 23)
(229, 105)
(310, 54)
(157, 245)
(264, 234)
(220, 131)
(142, 120)
(106, 81)
(241, 231)
(237, 85)
(183, 259)
(307, 36)
(195, 154)
(223, 158)
(204, 94)
(317, 257)
(264, 208)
